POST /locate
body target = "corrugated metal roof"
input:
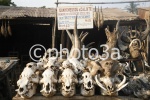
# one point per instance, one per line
(14, 12)
(145, 8)
(118, 14)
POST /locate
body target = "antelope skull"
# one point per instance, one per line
(48, 83)
(68, 80)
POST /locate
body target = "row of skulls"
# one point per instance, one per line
(110, 75)
(49, 72)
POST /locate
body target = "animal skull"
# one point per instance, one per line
(110, 81)
(48, 83)
(109, 85)
(87, 84)
(26, 88)
(68, 80)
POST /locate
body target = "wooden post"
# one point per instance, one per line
(148, 37)
(68, 43)
(54, 28)
(54, 32)
(63, 38)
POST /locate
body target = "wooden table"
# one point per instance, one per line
(95, 97)
(8, 77)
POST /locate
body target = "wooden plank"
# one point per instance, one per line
(131, 1)
(96, 97)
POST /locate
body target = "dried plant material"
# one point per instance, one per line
(2, 28)
(9, 29)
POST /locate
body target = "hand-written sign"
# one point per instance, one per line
(66, 17)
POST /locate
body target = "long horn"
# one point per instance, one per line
(99, 84)
(145, 33)
(83, 38)
(98, 20)
(2, 28)
(117, 25)
(122, 87)
(81, 35)
(95, 17)
(123, 81)
(9, 29)
(70, 36)
(88, 45)
(102, 17)
(122, 84)
(77, 43)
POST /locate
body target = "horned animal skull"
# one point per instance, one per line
(108, 81)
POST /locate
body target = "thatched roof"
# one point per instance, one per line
(118, 14)
(15, 12)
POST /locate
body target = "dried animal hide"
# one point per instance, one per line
(139, 86)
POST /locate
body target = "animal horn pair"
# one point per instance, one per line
(98, 18)
(119, 87)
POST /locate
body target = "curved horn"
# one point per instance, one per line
(69, 34)
(83, 38)
(122, 84)
(145, 33)
(123, 81)
(122, 87)
(99, 84)
(88, 45)
(81, 35)
(136, 40)
(117, 25)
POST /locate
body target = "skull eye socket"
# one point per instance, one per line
(29, 66)
(47, 56)
(86, 76)
(52, 66)
(107, 63)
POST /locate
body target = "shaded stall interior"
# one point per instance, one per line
(27, 32)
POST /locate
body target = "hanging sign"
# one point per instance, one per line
(66, 17)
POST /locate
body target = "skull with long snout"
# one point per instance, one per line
(109, 82)
(48, 83)
(68, 80)
(26, 88)
(30, 74)
(87, 84)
